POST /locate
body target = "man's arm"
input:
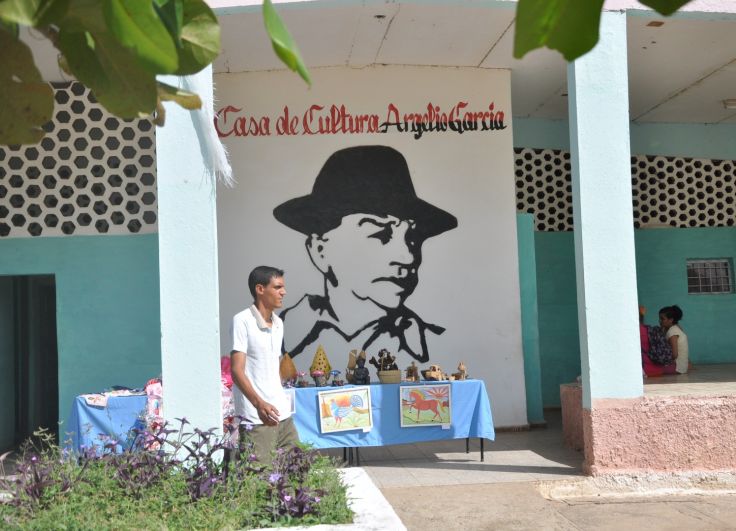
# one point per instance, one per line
(268, 414)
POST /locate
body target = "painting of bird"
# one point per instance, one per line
(345, 410)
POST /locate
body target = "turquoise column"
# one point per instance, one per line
(529, 318)
(604, 228)
(187, 237)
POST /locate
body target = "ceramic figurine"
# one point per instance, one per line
(320, 380)
(434, 373)
(462, 372)
(361, 376)
(336, 381)
(301, 381)
(412, 373)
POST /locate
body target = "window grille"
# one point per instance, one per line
(709, 276)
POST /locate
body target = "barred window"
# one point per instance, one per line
(709, 276)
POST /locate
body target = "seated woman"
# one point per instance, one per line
(669, 318)
(649, 367)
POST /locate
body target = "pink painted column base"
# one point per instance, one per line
(660, 434)
(571, 401)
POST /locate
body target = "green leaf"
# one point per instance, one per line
(570, 26)
(136, 25)
(186, 99)
(115, 76)
(283, 43)
(171, 13)
(200, 37)
(10, 27)
(26, 102)
(665, 7)
(84, 15)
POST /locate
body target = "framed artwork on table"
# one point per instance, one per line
(425, 405)
(345, 409)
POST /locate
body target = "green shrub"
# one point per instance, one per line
(184, 483)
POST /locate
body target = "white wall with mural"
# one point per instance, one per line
(387, 196)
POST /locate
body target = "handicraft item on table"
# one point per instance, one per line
(388, 371)
(425, 405)
(287, 369)
(345, 409)
(434, 374)
(361, 375)
(462, 372)
(353, 357)
(412, 373)
(320, 367)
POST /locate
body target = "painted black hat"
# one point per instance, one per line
(362, 179)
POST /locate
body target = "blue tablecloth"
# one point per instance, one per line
(471, 417)
(90, 425)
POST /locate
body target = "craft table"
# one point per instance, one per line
(470, 407)
(91, 425)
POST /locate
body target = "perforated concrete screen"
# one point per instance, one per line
(666, 191)
(92, 173)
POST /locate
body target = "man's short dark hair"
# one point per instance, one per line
(262, 275)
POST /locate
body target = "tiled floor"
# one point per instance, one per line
(704, 380)
(513, 456)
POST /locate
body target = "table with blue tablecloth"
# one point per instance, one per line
(96, 425)
(471, 417)
(470, 408)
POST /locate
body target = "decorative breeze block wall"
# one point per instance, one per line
(92, 173)
(667, 191)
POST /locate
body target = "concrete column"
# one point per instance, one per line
(603, 217)
(187, 233)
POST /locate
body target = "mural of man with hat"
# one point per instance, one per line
(365, 227)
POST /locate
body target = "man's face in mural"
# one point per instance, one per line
(375, 257)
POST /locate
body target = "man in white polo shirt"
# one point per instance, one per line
(257, 334)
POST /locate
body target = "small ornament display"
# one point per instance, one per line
(352, 363)
(320, 380)
(462, 372)
(336, 380)
(287, 370)
(388, 371)
(361, 375)
(434, 374)
(412, 373)
(301, 380)
(353, 358)
(320, 362)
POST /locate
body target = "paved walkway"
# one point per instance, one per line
(522, 484)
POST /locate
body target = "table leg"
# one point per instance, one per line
(481, 449)
(467, 445)
(357, 456)
(344, 454)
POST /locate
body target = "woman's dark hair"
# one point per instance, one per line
(672, 312)
(262, 275)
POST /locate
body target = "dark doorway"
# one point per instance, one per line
(29, 382)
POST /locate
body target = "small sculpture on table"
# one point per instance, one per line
(301, 380)
(434, 374)
(320, 380)
(353, 358)
(361, 376)
(388, 371)
(336, 380)
(462, 372)
(412, 373)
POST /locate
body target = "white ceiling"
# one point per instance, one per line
(678, 72)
